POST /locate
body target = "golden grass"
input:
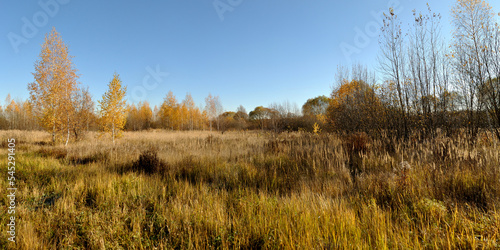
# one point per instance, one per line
(254, 190)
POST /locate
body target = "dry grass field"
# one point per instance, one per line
(253, 190)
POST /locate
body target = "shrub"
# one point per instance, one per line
(355, 106)
(149, 162)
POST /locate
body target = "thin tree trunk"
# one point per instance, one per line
(67, 137)
(54, 133)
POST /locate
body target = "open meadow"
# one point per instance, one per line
(252, 190)
(232, 124)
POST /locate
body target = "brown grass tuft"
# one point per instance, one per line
(149, 163)
(356, 143)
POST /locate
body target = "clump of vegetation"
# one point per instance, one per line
(149, 162)
(55, 152)
(87, 159)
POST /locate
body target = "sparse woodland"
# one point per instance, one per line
(404, 158)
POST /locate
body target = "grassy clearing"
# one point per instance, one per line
(194, 190)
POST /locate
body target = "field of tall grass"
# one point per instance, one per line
(253, 190)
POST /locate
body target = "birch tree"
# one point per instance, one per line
(84, 112)
(188, 102)
(54, 86)
(113, 109)
(169, 111)
(211, 108)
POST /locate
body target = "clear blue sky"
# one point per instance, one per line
(260, 52)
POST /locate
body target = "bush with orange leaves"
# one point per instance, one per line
(355, 106)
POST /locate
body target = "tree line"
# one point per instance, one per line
(59, 105)
(174, 115)
(427, 85)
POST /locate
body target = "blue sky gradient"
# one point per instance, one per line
(258, 53)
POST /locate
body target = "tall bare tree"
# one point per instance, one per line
(427, 81)
(476, 54)
(393, 61)
(214, 109)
